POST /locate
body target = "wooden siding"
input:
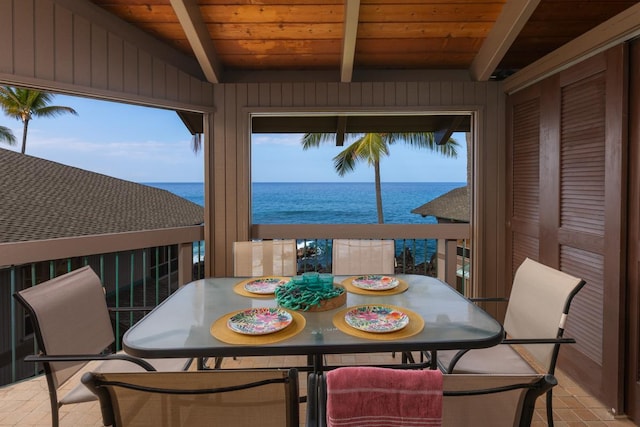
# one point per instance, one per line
(229, 156)
(45, 44)
(580, 193)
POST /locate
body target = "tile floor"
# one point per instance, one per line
(27, 403)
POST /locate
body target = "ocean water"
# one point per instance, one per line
(329, 203)
(332, 203)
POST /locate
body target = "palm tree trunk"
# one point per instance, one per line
(376, 168)
(24, 136)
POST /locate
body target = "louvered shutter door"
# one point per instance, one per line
(525, 181)
(580, 189)
(582, 205)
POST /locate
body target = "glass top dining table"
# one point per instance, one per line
(181, 326)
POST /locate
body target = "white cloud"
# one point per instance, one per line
(287, 139)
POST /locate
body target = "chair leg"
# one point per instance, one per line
(218, 362)
(55, 415)
(312, 400)
(549, 408)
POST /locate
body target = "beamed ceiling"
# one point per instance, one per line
(227, 41)
(347, 40)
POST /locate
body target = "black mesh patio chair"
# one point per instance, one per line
(73, 327)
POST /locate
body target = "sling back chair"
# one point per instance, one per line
(239, 398)
(364, 256)
(467, 400)
(73, 327)
(361, 256)
(260, 258)
(265, 258)
(536, 314)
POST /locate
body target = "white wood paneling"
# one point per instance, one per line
(58, 45)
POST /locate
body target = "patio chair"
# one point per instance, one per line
(536, 315)
(464, 400)
(361, 256)
(265, 258)
(73, 327)
(265, 397)
(260, 258)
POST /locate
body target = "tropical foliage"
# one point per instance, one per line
(25, 104)
(7, 136)
(372, 147)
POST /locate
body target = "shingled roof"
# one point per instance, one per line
(453, 205)
(41, 199)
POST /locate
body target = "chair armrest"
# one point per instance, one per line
(88, 358)
(539, 341)
(458, 355)
(489, 299)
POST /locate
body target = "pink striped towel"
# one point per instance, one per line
(384, 397)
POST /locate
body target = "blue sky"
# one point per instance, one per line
(152, 145)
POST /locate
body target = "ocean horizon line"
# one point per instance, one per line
(313, 182)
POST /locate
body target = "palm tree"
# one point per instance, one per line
(7, 136)
(24, 104)
(372, 147)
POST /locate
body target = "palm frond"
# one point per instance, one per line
(372, 147)
(23, 104)
(7, 136)
(53, 111)
(310, 140)
(196, 142)
(345, 161)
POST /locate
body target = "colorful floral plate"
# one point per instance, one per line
(259, 321)
(375, 282)
(375, 318)
(264, 285)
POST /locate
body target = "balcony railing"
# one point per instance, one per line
(140, 269)
(137, 269)
(440, 250)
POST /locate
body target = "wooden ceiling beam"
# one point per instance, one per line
(351, 17)
(443, 135)
(514, 16)
(190, 18)
(341, 130)
(622, 27)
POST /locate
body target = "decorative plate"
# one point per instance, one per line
(264, 285)
(375, 282)
(376, 318)
(259, 321)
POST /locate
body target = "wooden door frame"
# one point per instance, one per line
(632, 383)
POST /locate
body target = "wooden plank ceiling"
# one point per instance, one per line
(490, 38)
